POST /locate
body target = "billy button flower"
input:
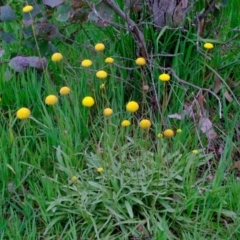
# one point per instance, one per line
(102, 86)
(74, 179)
(160, 135)
(140, 61)
(109, 60)
(99, 47)
(195, 151)
(145, 124)
(86, 63)
(168, 133)
(208, 46)
(132, 106)
(57, 57)
(65, 90)
(179, 130)
(125, 123)
(164, 77)
(23, 113)
(101, 74)
(100, 169)
(88, 101)
(27, 9)
(51, 100)
(107, 112)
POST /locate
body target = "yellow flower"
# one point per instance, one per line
(100, 170)
(51, 99)
(65, 90)
(132, 106)
(88, 101)
(125, 123)
(208, 45)
(160, 135)
(179, 130)
(107, 112)
(99, 47)
(23, 113)
(109, 60)
(140, 61)
(195, 151)
(164, 77)
(101, 74)
(27, 9)
(74, 179)
(57, 57)
(102, 86)
(145, 124)
(86, 63)
(168, 133)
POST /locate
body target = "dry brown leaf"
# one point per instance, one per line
(228, 96)
(218, 84)
(206, 127)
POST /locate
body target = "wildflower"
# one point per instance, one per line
(208, 45)
(51, 99)
(109, 60)
(160, 135)
(57, 57)
(102, 86)
(88, 101)
(168, 133)
(101, 74)
(195, 151)
(74, 179)
(23, 113)
(99, 170)
(107, 112)
(145, 124)
(65, 90)
(86, 63)
(27, 9)
(179, 130)
(140, 61)
(125, 123)
(164, 77)
(132, 106)
(99, 47)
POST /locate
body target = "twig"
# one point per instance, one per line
(133, 28)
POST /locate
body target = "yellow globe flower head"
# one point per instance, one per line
(27, 9)
(109, 60)
(145, 124)
(168, 133)
(99, 47)
(107, 112)
(74, 179)
(125, 123)
(179, 130)
(195, 151)
(140, 61)
(208, 46)
(88, 101)
(101, 74)
(102, 86)
(86, 63)
(132, 106)
(160, 135)
(99, 170)
(57, 57)
(51, 100)
(23, 113)
(164, 77)
(64, 90)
